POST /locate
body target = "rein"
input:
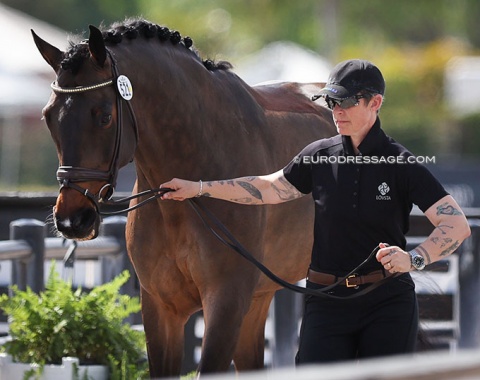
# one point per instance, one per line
(212, 223)
(208, 219)
(157, 193)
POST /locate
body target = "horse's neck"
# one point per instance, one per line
(187, 116)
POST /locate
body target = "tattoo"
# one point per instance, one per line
(223, 182)
(392, 251)
(422, 251)
(251, 189)
(289, 193)
(451, 249)
(447, 209)
(445, 242)
(246, 200)
(437, 239)
(442, 226)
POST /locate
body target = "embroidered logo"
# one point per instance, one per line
(383, 189)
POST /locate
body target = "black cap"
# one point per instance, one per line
(349, 77)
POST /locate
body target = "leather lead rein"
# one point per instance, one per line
(234, 244)
(212, 223)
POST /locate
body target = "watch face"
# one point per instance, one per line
(418, 262)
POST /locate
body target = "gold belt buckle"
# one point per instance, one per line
(347, 282)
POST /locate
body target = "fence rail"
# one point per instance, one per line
(86, 250)
(29, 247)
(15, 250)
(55, 249)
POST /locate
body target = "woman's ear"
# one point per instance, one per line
(376, 102)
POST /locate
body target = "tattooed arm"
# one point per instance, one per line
(451, 229)
(268, 189)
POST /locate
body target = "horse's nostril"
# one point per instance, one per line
(85, 218)
(62, 224)
(82, 224)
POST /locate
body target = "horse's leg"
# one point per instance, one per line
(165, 337)
(223, 312)
(249, 353)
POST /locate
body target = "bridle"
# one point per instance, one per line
(69, 176)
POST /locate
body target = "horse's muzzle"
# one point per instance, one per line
(81, 225)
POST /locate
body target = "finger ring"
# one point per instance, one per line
(389, 265)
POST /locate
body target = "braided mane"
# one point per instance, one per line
(131, 29)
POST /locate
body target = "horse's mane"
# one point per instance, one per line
(131, 29)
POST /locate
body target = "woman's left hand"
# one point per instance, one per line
(394, 259)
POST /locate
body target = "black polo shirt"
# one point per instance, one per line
(361, 200)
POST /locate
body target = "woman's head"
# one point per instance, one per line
(349, 78)
(354, 93)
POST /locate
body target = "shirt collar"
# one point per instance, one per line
(372, 142)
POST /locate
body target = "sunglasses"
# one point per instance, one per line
(343, 103)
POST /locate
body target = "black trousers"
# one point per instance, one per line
(379, 323)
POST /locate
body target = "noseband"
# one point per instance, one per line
(69, 176)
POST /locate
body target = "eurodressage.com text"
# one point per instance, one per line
(365, 160)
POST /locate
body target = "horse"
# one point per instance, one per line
(192, 118)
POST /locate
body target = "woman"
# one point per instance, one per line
(363, 184)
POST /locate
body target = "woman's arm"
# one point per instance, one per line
(267, 189)
(451, 229)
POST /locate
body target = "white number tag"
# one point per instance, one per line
(125, 87)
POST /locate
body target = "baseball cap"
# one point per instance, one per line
(349, 77)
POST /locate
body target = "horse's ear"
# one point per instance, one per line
(50, 53)
(96, 45)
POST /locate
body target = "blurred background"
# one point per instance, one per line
(429, 52)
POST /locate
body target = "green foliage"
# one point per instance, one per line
(62, 322)
(189, 376)
(468, 128)
(76, 15)
(124, 369)
(414, 110)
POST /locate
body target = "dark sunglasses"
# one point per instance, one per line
(343, 103)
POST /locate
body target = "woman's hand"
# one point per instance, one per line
(181, 189)
(394, 259)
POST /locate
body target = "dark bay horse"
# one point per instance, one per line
(192, 119)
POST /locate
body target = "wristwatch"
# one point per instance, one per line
(418, 262)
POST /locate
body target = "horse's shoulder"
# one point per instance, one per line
(287, 96)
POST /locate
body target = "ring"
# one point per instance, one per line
(389, 265)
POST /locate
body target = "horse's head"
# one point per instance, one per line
(84, 116)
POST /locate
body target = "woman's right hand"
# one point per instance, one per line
(181, 189)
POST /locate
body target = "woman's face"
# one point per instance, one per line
(357, 120)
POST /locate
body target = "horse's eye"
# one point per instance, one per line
(106, 119)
